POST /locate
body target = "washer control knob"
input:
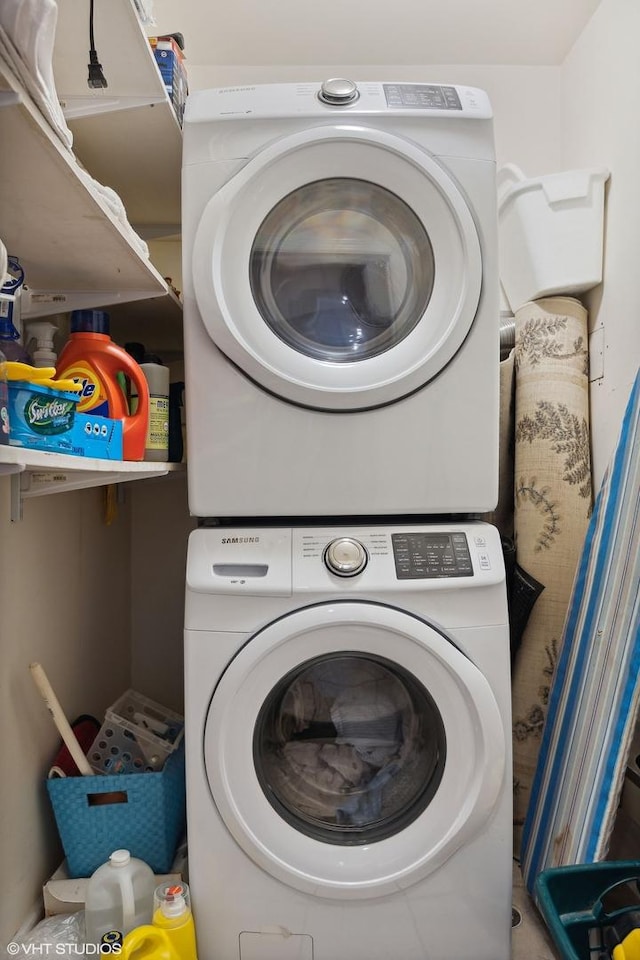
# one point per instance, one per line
(338, 91)
(345, 557)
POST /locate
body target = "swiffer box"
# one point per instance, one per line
(43, 418)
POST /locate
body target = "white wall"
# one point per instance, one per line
(64, 601)
(600, 126)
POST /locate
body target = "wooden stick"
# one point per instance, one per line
(64, 729)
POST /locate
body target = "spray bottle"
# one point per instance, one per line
(42, 352)
(171, 935)
(10, 294)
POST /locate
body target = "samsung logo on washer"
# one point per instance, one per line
(240, 540)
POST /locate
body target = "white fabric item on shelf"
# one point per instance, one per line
(27, 36)
(117, 208)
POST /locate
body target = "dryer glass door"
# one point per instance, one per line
(340, 268)
(351, 748)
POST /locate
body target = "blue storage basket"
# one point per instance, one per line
(143, 813)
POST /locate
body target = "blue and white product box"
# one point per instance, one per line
(170, 60)
(98, 437)
(43, 418)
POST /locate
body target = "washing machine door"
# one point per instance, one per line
(351, 748)
(340, 268)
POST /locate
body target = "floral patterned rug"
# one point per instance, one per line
(553, 502)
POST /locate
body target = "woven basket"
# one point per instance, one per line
(143, 813)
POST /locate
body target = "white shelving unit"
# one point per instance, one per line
(35, 473)
(75, 252)
(126, 134)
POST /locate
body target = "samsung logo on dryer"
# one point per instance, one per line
(240, 540)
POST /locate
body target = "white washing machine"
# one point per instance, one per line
(341, 309)
(348, 743)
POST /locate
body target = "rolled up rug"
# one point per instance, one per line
(553, 500)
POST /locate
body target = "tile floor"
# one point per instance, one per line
(529, 940)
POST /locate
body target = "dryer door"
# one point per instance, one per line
(351, 749)
(340, 268)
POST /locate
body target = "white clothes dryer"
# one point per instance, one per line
(341, 312)
(348, 743)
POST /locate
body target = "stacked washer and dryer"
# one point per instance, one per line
(346, 633)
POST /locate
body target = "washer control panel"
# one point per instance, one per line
(341, 559)
(424, 555)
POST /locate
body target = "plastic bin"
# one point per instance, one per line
(580, 904)
(137, 736)
(550, 232)
(143, 813)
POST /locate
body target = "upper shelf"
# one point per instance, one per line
(74, 251)
(127, 134)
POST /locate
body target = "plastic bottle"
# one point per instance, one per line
(119, 896)
(157, 375)
(176, 444)
(172, 934)
(43, 332)
(10, 294)
(90, 357)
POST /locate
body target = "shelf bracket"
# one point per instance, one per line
(15, 513)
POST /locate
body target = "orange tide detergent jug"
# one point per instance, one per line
(93, 360)
(171, 935)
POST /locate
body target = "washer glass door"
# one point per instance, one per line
(351, 748)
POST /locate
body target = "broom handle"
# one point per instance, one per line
(64, 729)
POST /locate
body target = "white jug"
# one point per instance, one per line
(119, 896)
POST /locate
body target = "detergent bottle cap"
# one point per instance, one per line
(89, 321)
(172, 899)
(119, 858)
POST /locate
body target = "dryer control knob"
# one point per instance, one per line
(338, 91)
(345, 557)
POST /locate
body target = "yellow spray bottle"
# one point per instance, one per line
(171, 934)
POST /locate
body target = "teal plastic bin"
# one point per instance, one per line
(585, 905)
(143, 813)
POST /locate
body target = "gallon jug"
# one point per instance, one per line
(119, 896)
(92, 359)
(172, 935)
